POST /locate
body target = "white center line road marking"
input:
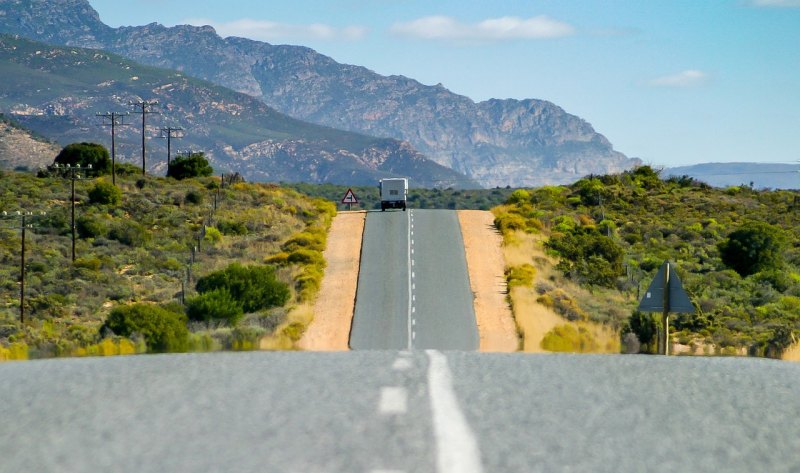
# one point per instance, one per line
(402, 364)
(456, 447)
(394, 400)
(410, 293)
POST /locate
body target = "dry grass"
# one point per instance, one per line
(535, 320)
(792, 353)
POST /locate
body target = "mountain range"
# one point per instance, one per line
(755, 175)
(495, 142)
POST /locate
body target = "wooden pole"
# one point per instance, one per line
(22, 276)
(664, 339)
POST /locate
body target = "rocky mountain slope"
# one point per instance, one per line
(237, 131)
(498, 142)
(21, 149)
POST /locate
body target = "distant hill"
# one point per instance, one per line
(56, 92)
(757, 175)
(498, 142)
(22, 149)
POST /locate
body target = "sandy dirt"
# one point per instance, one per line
(335, 304)
(483, 246)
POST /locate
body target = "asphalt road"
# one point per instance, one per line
(413, 286)
(381, 411)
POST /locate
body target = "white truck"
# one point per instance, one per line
(394, 192)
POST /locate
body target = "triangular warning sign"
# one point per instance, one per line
(653, 300)
(349, 197)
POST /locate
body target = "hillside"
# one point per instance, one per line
(756, 175)
(237, 132)
(152, 247)
(497, 142)
(19, 148)
(609, 235)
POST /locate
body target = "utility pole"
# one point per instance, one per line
(71, 170)
(144, 107)
(22, 276)
(113, 119)
(169, 133)
(23, 226)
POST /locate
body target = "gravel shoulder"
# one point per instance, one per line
(333, 309)
(486, 266)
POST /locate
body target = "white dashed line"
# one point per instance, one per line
(401, 364)
(394, 400)
(456, 446)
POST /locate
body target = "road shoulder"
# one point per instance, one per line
(333, 309)
(486, 266)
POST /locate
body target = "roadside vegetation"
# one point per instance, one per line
(161, 264)
(602, 239)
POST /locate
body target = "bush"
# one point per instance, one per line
(193, 165)
(256, 287)
(754, 247)
(163, 330)
(215, 305)
(194, 197)
(520, 275)
(105, 193)
(232, 227)
(130, 233)
(89, 226)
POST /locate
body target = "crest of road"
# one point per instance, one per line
(413, 286)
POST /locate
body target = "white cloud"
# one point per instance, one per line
(269, 31)
(776, 3)
(492, 29)
(688, 78)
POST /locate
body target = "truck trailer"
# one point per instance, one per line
(394, 192)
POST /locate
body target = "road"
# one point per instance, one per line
(413, 286)
(380, 411)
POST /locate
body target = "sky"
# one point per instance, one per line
(673, 82)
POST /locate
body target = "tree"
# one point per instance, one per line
(752, 248)
(84, 154)
(163, 330)
(193, 165)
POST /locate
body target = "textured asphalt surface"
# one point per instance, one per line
(328, 412)
(413, 286)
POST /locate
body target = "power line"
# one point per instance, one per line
(144, 107)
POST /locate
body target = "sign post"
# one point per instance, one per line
(349, 198)
(666, 294)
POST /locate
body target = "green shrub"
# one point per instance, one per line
(91, 226)
(312, 241)
(520, 275)
(105, 193)
(130, 233)
(305, 256)
(193, 197)
(510, 221)
(215, 305)
(193, 165)
(754, 247)
(568, 339)
(163, 330)
(256, 287)
(232, 227)
(212, 235)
